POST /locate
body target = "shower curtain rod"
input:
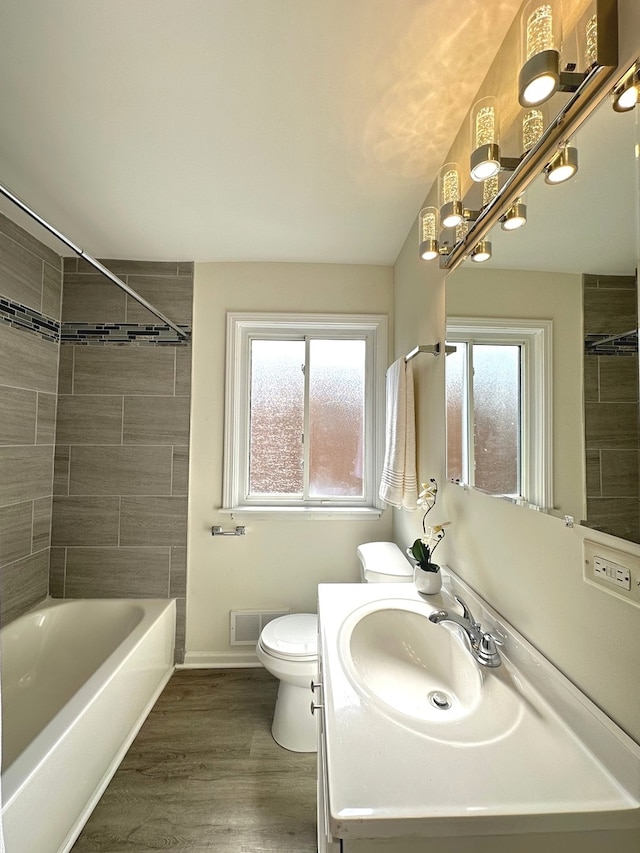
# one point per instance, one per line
(92, 261)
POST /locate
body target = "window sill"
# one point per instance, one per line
(302, 513)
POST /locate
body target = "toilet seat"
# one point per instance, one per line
(291, 637)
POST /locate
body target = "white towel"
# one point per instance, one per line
(399, 483)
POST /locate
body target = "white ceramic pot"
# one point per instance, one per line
(427, 583)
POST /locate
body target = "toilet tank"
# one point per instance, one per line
(383, 562)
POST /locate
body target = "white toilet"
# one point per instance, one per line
(288, 648)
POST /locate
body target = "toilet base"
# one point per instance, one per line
(294, 726)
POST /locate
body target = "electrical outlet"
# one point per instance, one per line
(611, 570)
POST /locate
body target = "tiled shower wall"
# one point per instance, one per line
(30, 290)
(611, 406)
(122, 446)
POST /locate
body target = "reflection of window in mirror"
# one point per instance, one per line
(497, 406)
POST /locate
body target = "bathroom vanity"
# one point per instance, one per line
(421, 748)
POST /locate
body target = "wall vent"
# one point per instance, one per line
(246, 625)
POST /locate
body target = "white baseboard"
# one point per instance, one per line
(219, 660)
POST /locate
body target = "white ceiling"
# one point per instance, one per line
(211, 130)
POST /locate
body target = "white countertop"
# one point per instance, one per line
(554, 763)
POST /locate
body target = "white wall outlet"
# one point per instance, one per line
(612, 570)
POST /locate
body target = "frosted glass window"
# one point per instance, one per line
(484, 415)
(456, 412)
(304, 413)
(277, 417)
(499, 392)
(336, 417)
(496, 404)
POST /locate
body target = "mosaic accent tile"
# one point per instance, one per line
(21, 317)
(605, 345)
(121, 333)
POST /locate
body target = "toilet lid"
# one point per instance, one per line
(294, 635)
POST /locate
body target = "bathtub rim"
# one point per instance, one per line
(18, 774)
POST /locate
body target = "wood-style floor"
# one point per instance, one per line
(204, 774)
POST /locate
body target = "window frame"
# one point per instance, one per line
(536, 437)
(242, 328)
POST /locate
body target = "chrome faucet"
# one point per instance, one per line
(481, 643)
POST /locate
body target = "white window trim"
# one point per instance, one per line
(241, 327)
(537, 414)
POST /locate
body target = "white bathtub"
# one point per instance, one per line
(78, 680)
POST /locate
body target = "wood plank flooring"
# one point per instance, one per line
(204, 774)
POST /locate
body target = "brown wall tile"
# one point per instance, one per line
(124, 370)
(61, 470)
(46, 431)
(183, 371)
(17, 415)
(124, 267)
(156, 420)
(15, 531)
(172, 295)
(120, 470)
(20, 274)
(23, 584)
(117, 572)
(591, 378)
(41, 524)
(612, 425)
(52, 292)
(616, 515)
(27, 361)
(25, 473)
(620, 473)
(65, 369)
(92, 299)
(28, 241)
(85, 520)
(609, 312)
(57, 562)
(619, 379)
(180, 474)
(178, 573)
(153, 521)
(89, 419)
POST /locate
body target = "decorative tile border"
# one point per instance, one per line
(121, 333)
(21, 317)
(620, 345)
(28, 319)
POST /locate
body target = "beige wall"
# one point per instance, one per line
(277, 564)
(525, 294)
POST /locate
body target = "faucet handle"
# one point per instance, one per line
(466, 613)
(488, 654)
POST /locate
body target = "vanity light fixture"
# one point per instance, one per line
(481, 252)
(427, 229)
(451, 209)
(540, 76)
(485, 160)
(533, 125)
(562, 166)
(627, 93)
(515, 217)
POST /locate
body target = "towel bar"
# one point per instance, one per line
(433, 349)
(218, 531)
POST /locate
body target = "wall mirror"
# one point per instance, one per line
(574, 263)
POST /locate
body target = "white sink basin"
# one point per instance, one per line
(413, 666)
(423, 675)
